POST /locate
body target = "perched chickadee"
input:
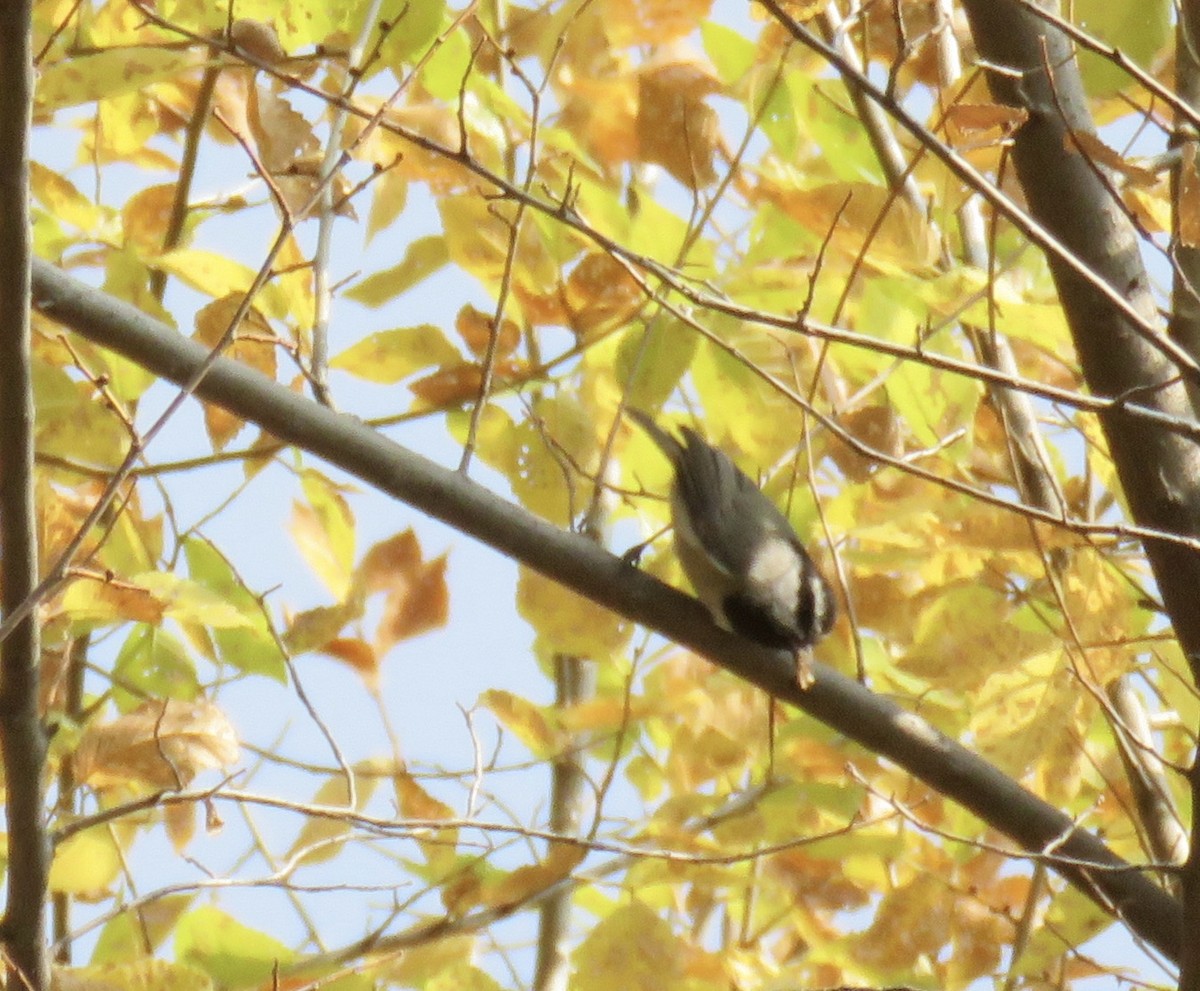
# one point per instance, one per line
(741, 554)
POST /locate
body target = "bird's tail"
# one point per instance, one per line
(669, 445)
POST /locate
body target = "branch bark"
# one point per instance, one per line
(21, 736)
(875, 722)
(1068, 196)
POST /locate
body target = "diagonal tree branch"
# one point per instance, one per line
(875, 722)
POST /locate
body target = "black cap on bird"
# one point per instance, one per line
(740, 552)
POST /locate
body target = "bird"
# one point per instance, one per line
(742, 556)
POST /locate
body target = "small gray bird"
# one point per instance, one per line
(739, 551)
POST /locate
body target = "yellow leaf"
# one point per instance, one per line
(478, 237)
(315, 628)
(86, 78)
(146, 215)
(524, 882)
(321, 837)
(525, 720)
(60, 197)
(903, 237)
(414, 802)
(632, 949)
(496, 441)
(324, 531)
(389, 194)
(426, 960)
(210, 273)
(85, 864)
(189, 601)
(141, 974)
(423, 257)
(391, 355)
(653, 22)
(568, 623)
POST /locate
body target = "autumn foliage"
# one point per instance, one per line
(483, 230)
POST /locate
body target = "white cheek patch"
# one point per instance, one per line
(822, 603)
(776, 570)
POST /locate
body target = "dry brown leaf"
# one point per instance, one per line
(164, 744)
(398, 554)
(675, 128)
(1095, 149)
(357, 654)
(977, 125)
(258, 39)
(521, 884)
(600, 293)
(180, 820)
(281, 134)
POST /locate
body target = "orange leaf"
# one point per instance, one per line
(458, 383)
(519, 885)
(146, 214)
(475, 328)
(252, 343)
(398, 555)
(423, 604)
(600, 293)
(358, 654)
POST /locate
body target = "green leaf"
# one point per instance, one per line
(250, 648)
(235, 955)
(731, 52)
(445, 70)
(415, 23)
(154, 663)
(126, 936)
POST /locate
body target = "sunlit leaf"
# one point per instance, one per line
(322, 838)
(391, 355)
(233, 954)
(164, 744)
(85, 864)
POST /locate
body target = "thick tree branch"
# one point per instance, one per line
(1159, 473)
(21, 737)
(875, 722)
